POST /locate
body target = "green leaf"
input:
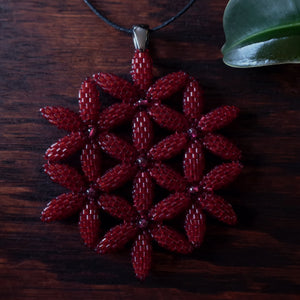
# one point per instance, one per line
(261, 32)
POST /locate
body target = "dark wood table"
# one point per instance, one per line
(47, 49)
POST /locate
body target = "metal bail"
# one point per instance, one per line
(140, 37)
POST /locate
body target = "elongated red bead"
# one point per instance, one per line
(142, 70)
(116, 238)
(63, 207)
(221, 146)
(66, 176)
(115, 115)
(167, 86)
(169, 207)
(117, 87)
(193, 100)
(91, 161)
(170, 239)
(143, 191)
(116, 177)
(141, 255)
(65, 147)
(218, 118)
(142, 132)
(89, 224)
(221, 176)
(167, 178)
(169, 147)
(117, 207)
(168, 118)
(218, 207)
(195, 225)
(62, 118)
(117, 147)
(194, 162)
(89, 102)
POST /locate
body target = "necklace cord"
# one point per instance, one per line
(129, 31)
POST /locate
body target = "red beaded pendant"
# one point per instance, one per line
(141, 162)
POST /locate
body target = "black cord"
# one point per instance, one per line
(127, 30)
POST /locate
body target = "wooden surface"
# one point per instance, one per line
(47, 48)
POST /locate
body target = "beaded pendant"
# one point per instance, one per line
(141, 162)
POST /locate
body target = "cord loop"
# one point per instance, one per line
(130, 30)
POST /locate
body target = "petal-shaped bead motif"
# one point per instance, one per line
(65, 147)
(117, 207)
(116, 177)
(115, 115)
(62, 118)
(62, 207)
(194, 162)
(66, 176)
(116, 238)
(117, 87)
(169, 207)
(218, 118)
(142, 69)
(221, 176)
(89, 224)
(91, 161)
(217, 207)
(167, 86)
(117, 147)
(168, 147)
(142, 192)
(170, 239)
(89, 104)
(167, 178)
(142, 131)
(193, 100)
(168, 118)
(141, 255)
(195, 225)
(221, 146)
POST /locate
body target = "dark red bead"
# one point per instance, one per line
(143, 223)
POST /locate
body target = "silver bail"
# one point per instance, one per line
(140, 37)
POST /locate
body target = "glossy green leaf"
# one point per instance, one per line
(261, 32)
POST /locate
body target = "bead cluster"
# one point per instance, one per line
(140, 161)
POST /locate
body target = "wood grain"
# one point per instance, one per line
(47, 49)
